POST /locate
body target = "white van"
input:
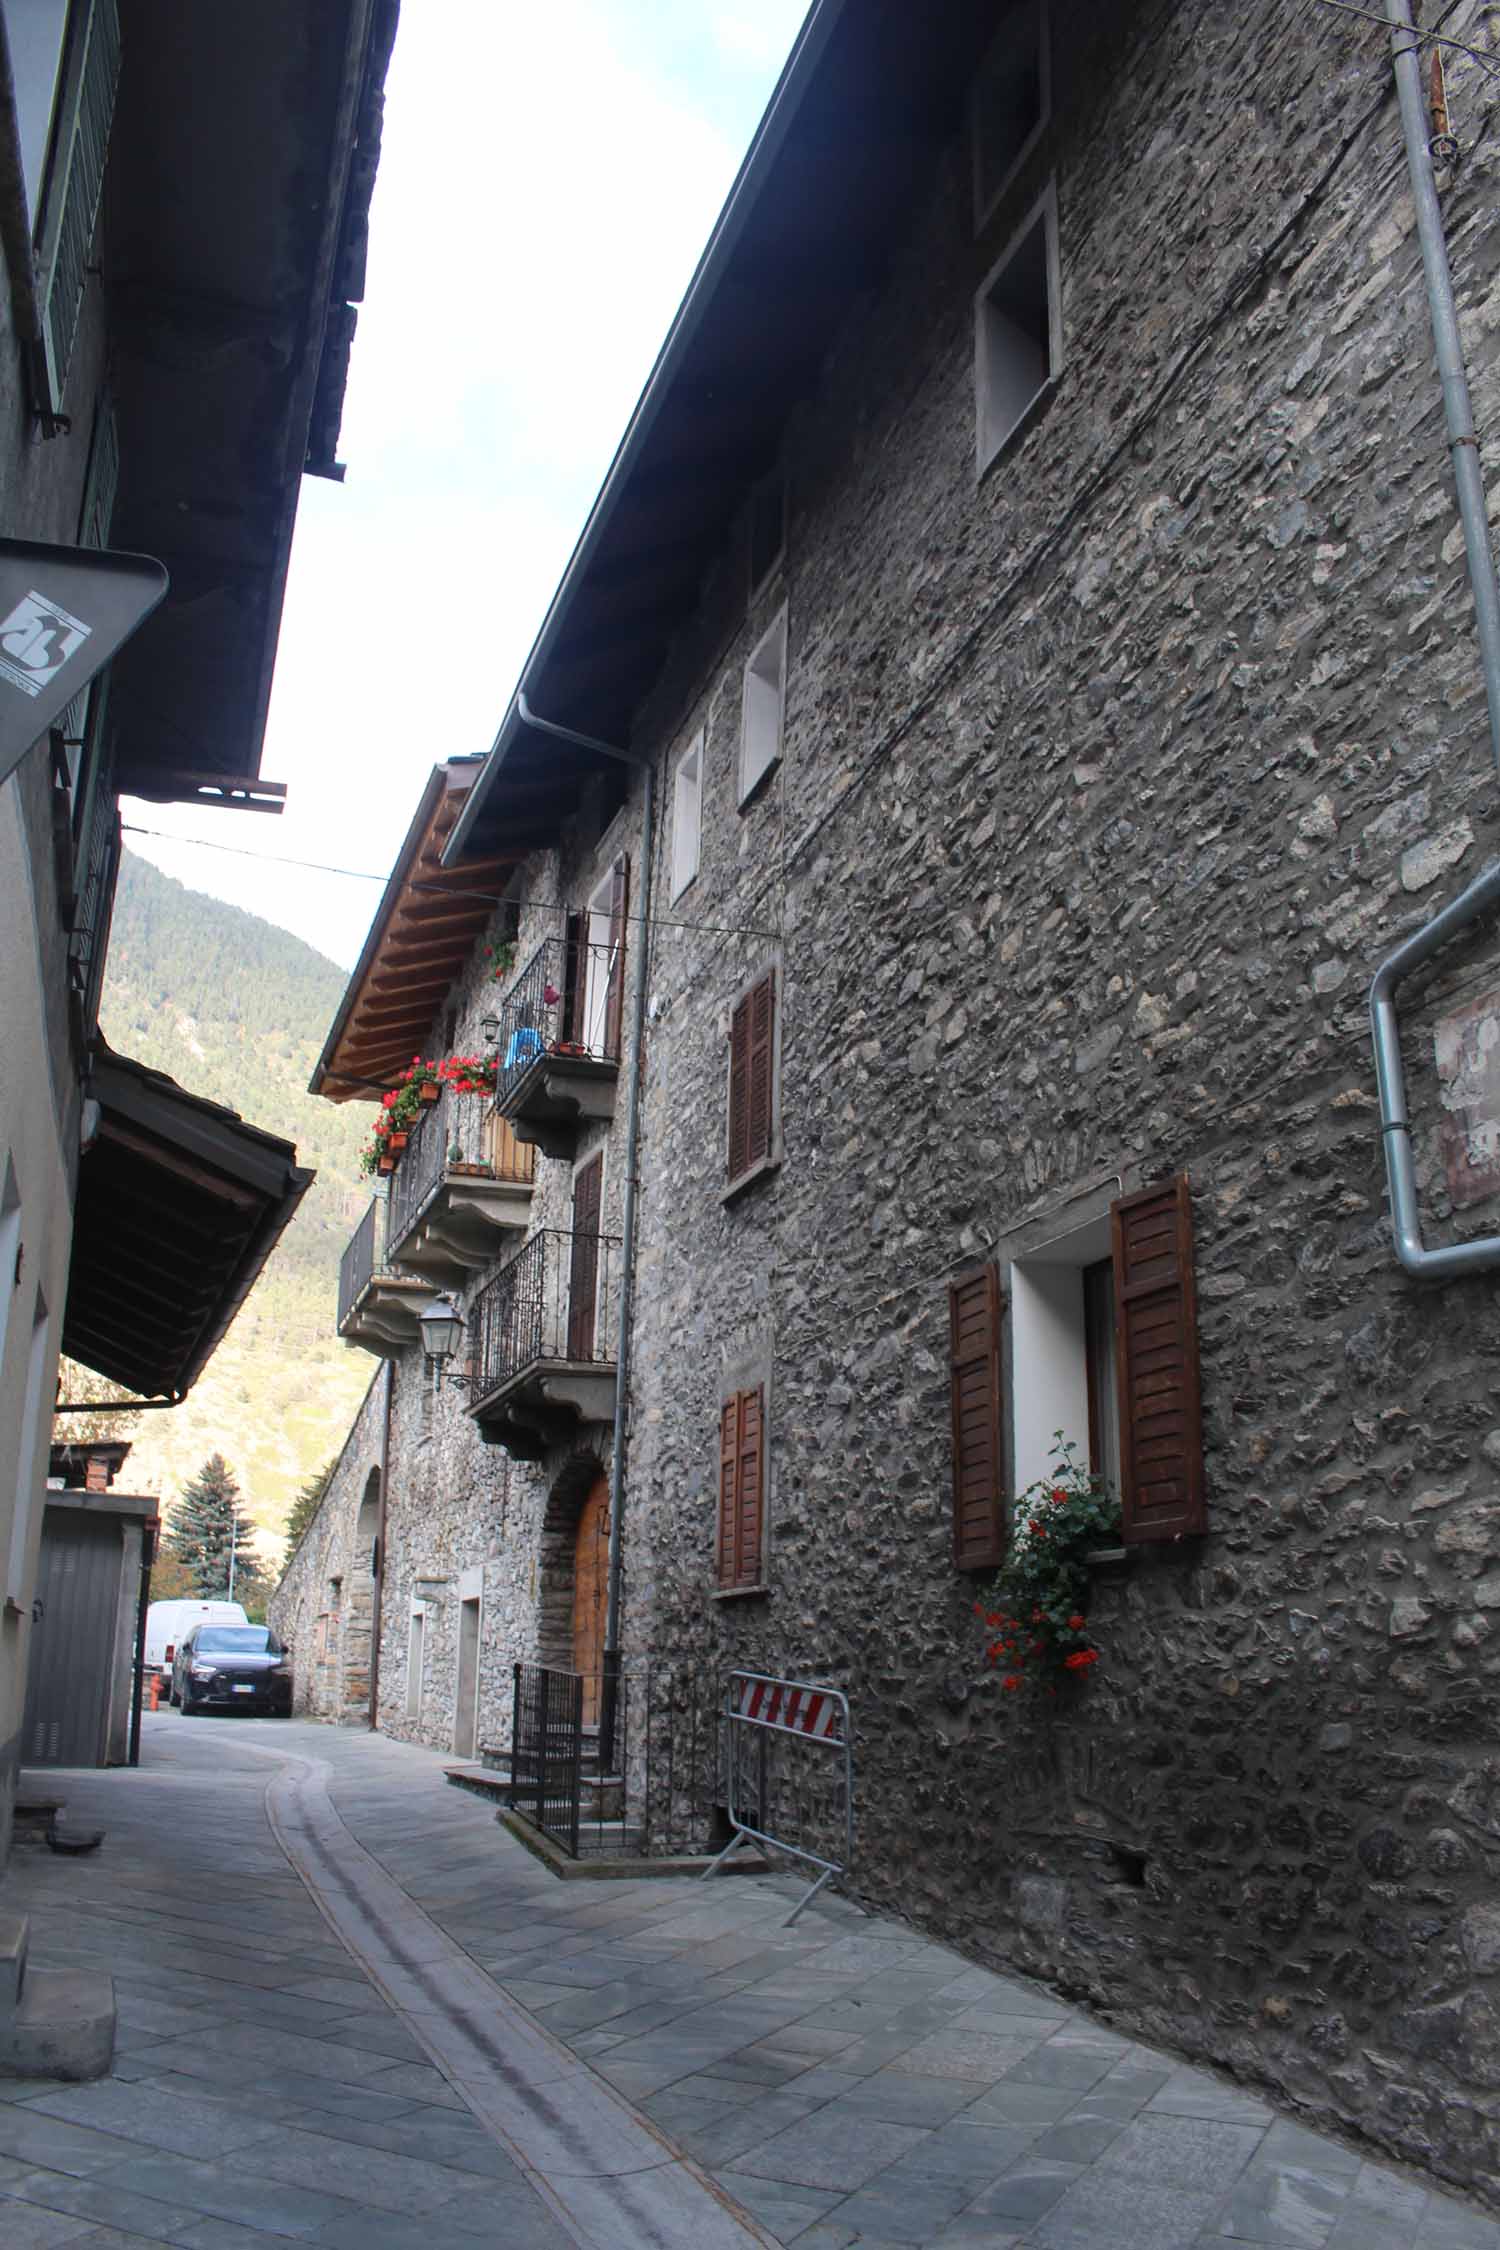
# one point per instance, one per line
(166, 1623)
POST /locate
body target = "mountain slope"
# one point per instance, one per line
(236, 1009)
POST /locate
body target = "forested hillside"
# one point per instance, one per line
(236, 1009)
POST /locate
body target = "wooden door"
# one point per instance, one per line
(590, 1588)
(583, 1276)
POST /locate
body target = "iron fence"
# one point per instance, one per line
(568, 1001)
(554, 1300)
(547, 1751)
(357, 1265)
(647, 1779)
(459, 1136)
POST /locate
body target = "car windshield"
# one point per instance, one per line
(238, 1640)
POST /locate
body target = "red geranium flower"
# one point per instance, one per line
(1076, 1624)
(1081, 1659)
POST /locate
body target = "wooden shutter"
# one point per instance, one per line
(614, 999)
(739, 1088)
(741, 1488)
(575, 978)
(583, 1278)
(974, 1363)
(762, 1040)
(1156, 1363)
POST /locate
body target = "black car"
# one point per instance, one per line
(232, 1668)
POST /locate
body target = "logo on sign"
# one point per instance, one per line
(36, 641)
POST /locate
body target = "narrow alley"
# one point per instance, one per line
(354, 2012)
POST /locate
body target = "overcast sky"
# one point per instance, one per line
(548, 179)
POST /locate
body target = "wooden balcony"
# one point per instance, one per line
(461, 1195)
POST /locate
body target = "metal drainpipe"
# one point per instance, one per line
(614, 1595)
(1462, 1257)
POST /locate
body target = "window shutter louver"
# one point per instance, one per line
(583, 1278)
(619, 907)
(575, 978)
(729, 1465)
(75, 180)
(1156, 1360)
(762, 1030)
(739, 1088)
(974, 1360)
(747, 1559)
(741, 1488)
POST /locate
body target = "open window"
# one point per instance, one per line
(1103, 1345)
(1012, 101)
(687, 816)
(1017, 331)
(764, 709)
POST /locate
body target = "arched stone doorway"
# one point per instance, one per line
(359, 1599)
(575, 1575)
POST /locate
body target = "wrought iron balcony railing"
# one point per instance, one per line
(567, 1003)
(459, 1136)
(357, 1265)
(553, 1303)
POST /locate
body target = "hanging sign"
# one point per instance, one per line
(64, 611)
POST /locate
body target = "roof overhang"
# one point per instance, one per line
(424, 930)
(870, 96)
(180, 1203)
(241, 165)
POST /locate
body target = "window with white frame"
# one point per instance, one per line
(1012, 101)
(687, 816)
(764, 709)
(1017, 331)
(416, 1648)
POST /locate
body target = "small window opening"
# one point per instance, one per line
(687, 818)
(1012, 102)
(1017, 346)
(764, 707)
(1129, 1866)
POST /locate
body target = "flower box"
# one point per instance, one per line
(428, 1092)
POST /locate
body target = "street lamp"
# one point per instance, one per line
(489, 1030)
(441, 1325)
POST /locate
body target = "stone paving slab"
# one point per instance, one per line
(846, 2083)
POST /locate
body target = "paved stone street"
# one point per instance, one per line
(441, 2044)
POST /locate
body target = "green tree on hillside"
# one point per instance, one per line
(207, 1523)
(306, 1504)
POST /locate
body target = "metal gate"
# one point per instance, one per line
(74, 1640)
(546, 1770)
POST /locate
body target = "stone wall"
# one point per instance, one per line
(1107, 782)
(1108, 778)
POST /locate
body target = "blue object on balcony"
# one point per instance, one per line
(521, 1046)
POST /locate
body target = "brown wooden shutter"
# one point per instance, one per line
(751, 1487)
(974, 1360)
(741, 1489)
(762, 1034)
(1156, 1364)
(614, 1004)
(583, 1278)
(739, 1088)
(729, 1486)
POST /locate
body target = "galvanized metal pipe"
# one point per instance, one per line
(1482, 1255)
(1468, 474)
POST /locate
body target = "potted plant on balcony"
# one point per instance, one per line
(501, 958)
(424, 1079)
(471, 1074)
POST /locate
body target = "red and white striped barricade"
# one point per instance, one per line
(758, 1711)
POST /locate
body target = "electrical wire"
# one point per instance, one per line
(1489, 63)
(455, 890)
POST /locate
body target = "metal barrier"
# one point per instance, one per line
(803, 1773)
(547, 1751)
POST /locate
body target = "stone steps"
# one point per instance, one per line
(54, 2023)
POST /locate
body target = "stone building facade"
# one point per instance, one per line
(1105, 774)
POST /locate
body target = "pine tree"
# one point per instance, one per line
(306, 1504)
(204, 1528)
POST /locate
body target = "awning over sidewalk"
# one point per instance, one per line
(180, 1203)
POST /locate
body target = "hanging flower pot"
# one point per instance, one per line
(385, 1165)
(395, 1142)
(429, 1091)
